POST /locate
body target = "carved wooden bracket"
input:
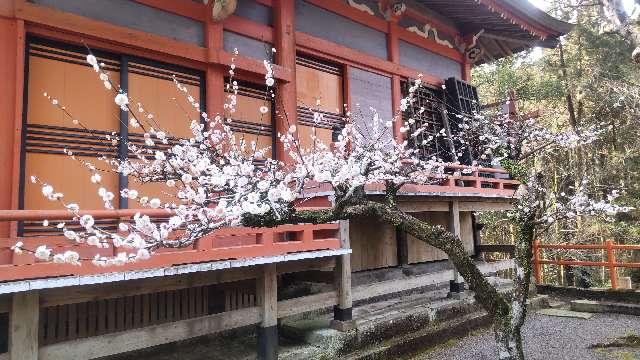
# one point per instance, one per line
(473, 51)
(222, 9)
(392, 9)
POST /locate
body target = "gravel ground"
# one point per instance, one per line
(551, 338)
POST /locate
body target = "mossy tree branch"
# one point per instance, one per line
(434, 235)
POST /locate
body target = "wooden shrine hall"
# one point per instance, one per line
(349, 53)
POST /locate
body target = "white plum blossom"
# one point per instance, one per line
(143, 254)
(18, 247)
(155, 203)
(43, 253)
(122, 100)
(58, 259)
(91, 59)
(71, 257)
(87, 221)
(47, 190)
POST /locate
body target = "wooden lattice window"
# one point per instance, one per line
(248, 123)
(65, 322)
(319, 89)
(61, 71)
(462, 96)
(427, 112)
(441, 113)
(463, 100)
(63, 74)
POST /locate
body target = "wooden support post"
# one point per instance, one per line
(466, 71)
(214, 91)
(393, 54)
(214, 81)
(477, 234)
(343, 311)
(12, 62)
(611, 259)
(456, 285)
(285, 56)
(268, 328)
(403, 247)
(23, 326)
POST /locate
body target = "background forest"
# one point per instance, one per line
(589, 79)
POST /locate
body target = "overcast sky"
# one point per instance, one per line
(543, 4)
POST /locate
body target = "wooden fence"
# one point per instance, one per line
(609, 247)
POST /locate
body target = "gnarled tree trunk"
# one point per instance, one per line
(508, 318)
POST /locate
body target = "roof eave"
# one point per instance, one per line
(534, 15)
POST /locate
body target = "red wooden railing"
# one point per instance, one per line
(493, 179)
(223, 244)
(609, 246)
(479, 182)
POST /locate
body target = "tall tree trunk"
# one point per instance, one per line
(618, 18)
(569, 96)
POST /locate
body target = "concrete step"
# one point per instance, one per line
(605, 307)
(430, 336)
(538, 302)
(377, 322)
(557, 304)
(387, 330)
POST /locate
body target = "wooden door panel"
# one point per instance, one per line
(418, 250)
(76, 87)
(65, 76)
(319, 90)
(172, 112)
(322, 136)
(69, 177)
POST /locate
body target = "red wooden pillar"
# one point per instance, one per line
(285, 56)
(12, 59)
(466, 64)
(611, 260)
(537, 267)
(393, 52)
(466, 71)
(215, 73)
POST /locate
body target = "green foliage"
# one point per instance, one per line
(588, 80)
(517, 170)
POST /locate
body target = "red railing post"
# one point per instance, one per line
(307, 235)
(537, 267)
(611, 262)
(476, 181)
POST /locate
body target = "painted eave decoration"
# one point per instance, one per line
(497, 28)
(484, 30)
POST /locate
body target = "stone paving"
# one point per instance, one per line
(550, 338)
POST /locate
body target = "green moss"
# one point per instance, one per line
(630, 340)
(516, 170)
